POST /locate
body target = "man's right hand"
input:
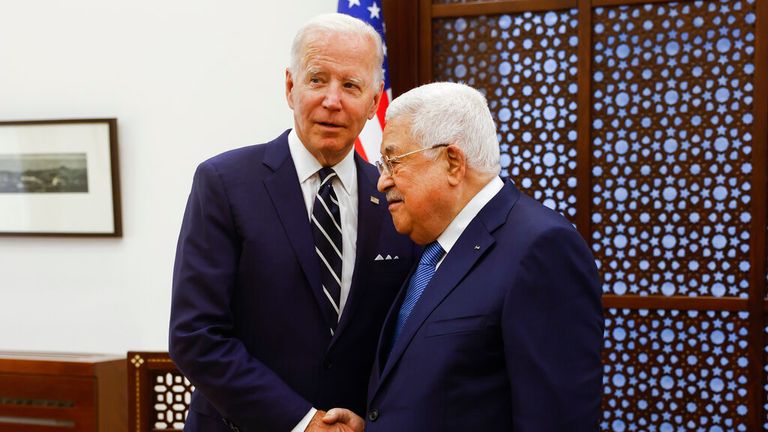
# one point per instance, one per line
(345, 417)
(336, 420)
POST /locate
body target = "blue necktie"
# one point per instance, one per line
(421, 277)
(326, 229)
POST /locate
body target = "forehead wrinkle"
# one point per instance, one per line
(310, 50)
(312, 70)
(311, 67)
(316, 51)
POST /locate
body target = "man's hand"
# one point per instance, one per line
(336, 420)
(346, 418)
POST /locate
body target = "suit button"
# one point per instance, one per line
(373, 414)
(327, 364)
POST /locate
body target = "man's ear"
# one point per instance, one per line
(288, 87)
(376, 100)
(457, 164)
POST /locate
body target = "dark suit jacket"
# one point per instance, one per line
(246, 327)
(506, 336)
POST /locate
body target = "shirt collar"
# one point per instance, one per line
(307, 165)
(451, 235)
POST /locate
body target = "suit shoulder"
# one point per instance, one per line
(366, 169)
(249, 157)
(237, 156)
(533, 231)
(536, 219)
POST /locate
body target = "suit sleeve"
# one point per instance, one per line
(552, 326)
(202, 341)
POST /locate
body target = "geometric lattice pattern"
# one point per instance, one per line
(526, 65)
(671, 147)
(670, 370)
(672, 165)
(765, 384)
(173, 394)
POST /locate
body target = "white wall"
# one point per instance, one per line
(186, 79)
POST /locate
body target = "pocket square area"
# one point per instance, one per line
(380, 257)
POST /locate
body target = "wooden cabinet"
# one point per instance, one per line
(60, 392)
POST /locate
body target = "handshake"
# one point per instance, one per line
(336, 420)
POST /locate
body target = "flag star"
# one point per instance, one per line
(374, 9)
(384, 47)
(353, 3)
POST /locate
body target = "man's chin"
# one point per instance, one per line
(334, 142)
(401, 228)
(333, 149)
(339, 134)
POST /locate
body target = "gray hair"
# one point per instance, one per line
(338, 23)
(451, 113)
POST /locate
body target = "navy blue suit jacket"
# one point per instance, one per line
(247, 326)
(506, 336)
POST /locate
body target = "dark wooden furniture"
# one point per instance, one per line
(158, 394)
(62, 392)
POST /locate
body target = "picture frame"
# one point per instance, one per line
(60, 178)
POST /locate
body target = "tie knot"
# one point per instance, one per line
(326, 173)
(432, 254)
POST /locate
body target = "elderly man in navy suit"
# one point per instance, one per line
(500, 325)
(287, 261)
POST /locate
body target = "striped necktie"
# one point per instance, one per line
(421, 277)
(326, 229)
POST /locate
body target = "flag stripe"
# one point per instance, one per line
(368, 144)
(383, 105)
(359, 148)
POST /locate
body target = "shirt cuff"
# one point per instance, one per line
(305, 421)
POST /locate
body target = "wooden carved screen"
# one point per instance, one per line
(644, 123)
(158, 394)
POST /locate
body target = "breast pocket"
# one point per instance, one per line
(399, 268)
(467, 324)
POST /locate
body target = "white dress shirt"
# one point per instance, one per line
(451, 234)
(345, 186)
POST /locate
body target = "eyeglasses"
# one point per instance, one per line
(387, 164)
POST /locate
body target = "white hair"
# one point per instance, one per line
(321, 25)
(451, 113)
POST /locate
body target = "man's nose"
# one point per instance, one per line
(332, 100)
(385, 182)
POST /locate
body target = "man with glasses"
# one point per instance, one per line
(500, 326)
(287, 261)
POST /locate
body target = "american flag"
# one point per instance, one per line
(369, 141)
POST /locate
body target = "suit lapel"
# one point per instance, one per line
(385, 336)
(454, 267)
(369, 219)
(472, 245)
(285, 192)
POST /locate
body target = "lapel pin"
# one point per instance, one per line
(477, 247)
(374, 200)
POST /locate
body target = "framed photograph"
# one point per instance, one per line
(59, 178)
